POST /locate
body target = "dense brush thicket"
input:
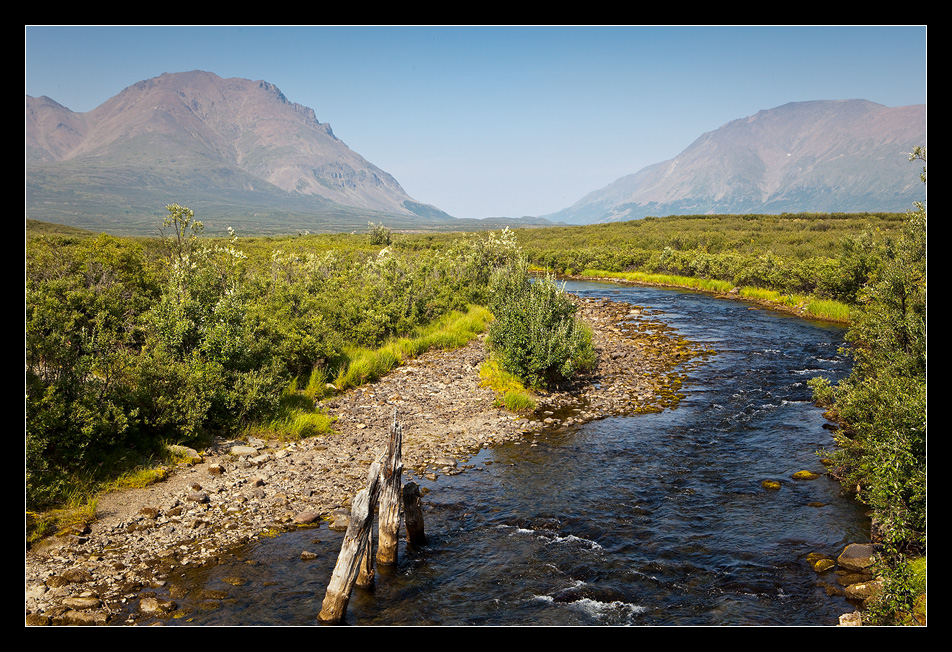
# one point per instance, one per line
(130, 345)
(881, 451)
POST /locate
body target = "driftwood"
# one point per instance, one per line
(391, 474)
(413, 514)
(354, 550)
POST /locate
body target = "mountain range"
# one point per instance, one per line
(823, 156)
(231, 148)
(239, 149)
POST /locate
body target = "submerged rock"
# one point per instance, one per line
(152, 606)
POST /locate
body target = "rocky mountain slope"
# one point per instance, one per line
(221, 146)
(820, 156)
(239, 150)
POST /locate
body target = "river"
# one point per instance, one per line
(654, 519)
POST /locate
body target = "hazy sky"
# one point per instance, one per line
(501, 121)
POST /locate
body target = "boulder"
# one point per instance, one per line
(307, 517)
(857, 557)
(854, 619)
(863, 590)
(187, 455)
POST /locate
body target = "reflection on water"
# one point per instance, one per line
(655, 519)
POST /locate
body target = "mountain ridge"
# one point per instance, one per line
(240, 151)
(221, 142)
(812, 156)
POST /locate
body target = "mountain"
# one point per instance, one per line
(819, 156)
(227, 148)
(240, 154)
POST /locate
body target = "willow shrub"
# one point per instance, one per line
(883, 401)
(535, 335)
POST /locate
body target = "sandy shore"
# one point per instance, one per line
(239, 491)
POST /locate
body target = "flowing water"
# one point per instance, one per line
(654, 519)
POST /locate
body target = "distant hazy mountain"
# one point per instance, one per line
(224, 147)
(822, 156)
(237, 151)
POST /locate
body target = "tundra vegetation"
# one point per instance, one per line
(133, 344)
(881, 449)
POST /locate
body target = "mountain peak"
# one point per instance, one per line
(816, 156)
(194, 132)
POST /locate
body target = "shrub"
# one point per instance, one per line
(379, 234)
(535, 335)
(884, 399)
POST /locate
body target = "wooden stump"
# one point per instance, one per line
(384, 491)
(413, 514)
(390, 497)
(357, 542)
(366, 572)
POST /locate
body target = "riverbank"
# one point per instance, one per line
(237, 491)
(809, 308)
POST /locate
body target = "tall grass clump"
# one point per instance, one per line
(510, 391)
(361, 365)
(828, 310)
(297, 416)
(671, 280)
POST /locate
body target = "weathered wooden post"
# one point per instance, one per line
(366, 572)
(391, 498)
(413, 514)
(384, 491)
(357, 542)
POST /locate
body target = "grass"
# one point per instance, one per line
(138, 479)
(300, 423)
(40, 525)
(299, 413)
(77, 512)
(919, 573)
(673, 280)
(824, 309)
(829, 310)
(821, 309)
(298, 416)
(79, 507)
(510, 391)
(363, 365)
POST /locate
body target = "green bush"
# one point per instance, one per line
(882, 450)
(535, 335)
(130, 345)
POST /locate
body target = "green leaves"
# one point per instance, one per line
(126, 349)
(884, 399)
(535, 334)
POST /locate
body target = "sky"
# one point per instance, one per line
(488, 121)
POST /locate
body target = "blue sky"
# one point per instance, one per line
(501, 121)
